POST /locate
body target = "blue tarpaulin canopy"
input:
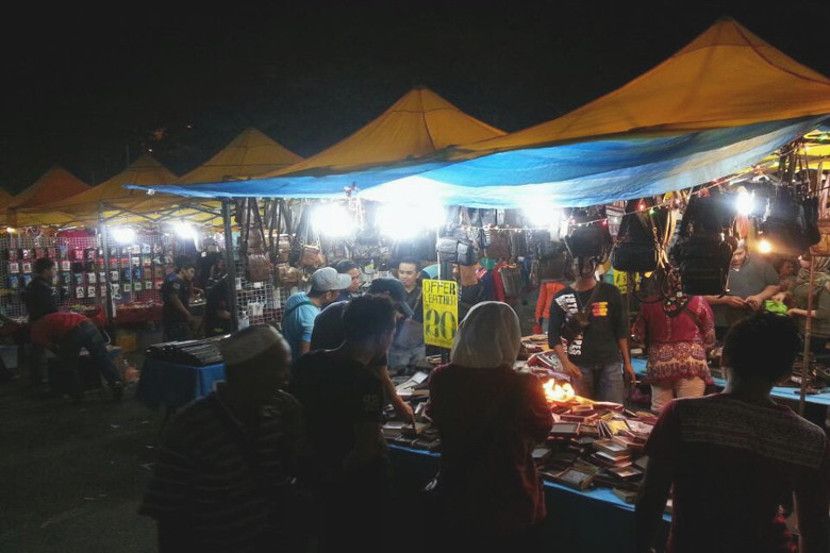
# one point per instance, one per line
(577, 174)
(717, 106)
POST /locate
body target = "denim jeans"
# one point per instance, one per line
(602, 381)
(87, 336)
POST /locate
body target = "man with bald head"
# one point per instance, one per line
(226, 466)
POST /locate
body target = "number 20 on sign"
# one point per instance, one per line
(440, 312)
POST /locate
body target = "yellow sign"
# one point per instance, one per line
(440, 312)
(621, 281)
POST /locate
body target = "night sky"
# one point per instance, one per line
(83, 87)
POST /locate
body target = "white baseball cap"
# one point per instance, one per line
(327, 279)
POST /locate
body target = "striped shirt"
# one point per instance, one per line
(229, 485)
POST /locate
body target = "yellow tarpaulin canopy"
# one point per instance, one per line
(109, 195)
(726, 77)
(417, 125)
(55, 184)
(250, 154)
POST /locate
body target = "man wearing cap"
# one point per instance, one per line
(343, 400)
(330, 332)
(226, 464)
(302, 308)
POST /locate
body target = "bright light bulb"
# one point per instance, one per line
(745, 203)
(404, 221)
(184, 230)
(764, 246)
(332, 220)
(123, 235)
(10, 230)
(542, 214)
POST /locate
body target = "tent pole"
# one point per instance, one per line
(230, 264)
(110, 308)
(808, 333)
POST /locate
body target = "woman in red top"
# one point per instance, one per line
(678, 332)
(490, 417)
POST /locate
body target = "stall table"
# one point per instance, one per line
(778, 392)
(172, 385)
(585, 521)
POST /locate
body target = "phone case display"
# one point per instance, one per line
(82, 277)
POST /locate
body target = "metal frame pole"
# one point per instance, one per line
(110, 307)
(808, 333)
(230, 263)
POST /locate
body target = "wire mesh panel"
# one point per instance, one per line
(137, 270)
(79, 270)
(258, 302)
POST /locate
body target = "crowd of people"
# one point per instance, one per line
(289, 450)
(288, 453)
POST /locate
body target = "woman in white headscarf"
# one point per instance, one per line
(490, 417)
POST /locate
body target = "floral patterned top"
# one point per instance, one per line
(677, 345)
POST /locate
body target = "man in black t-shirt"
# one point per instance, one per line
(40, 295)
(343, 400)
(40, 299)
(597, 355)
(176, 318)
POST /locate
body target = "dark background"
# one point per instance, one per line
(84, 85)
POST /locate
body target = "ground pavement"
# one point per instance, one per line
(72, 475)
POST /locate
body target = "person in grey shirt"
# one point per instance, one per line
(752, 281)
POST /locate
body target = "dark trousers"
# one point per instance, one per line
(87, 336)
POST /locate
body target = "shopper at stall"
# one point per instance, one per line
(349, 267)
(177, 321)
(65, 334)
(40, 299)
(752, 281)
(408, 349)
(302, 308)
(343, 400)
(217, 314)
(678, 331)
(732, 458)
(593, 320)
(330, 332)
(490, 417)
(820, 291)
(223, 479)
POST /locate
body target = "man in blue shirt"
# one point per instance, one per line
(301, 309)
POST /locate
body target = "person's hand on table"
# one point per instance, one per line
(572, 369)
(755, 302)
(796, 312)
(405, 410)
(734, 301)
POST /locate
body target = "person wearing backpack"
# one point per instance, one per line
(302, 308)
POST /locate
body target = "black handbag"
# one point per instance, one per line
(703, 262)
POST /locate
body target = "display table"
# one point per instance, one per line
(138, 314)
(778, 392)
(172, 385)
(590, 520)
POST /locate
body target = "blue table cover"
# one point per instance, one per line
(590, 520)
(778, 392)
(174, 385)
